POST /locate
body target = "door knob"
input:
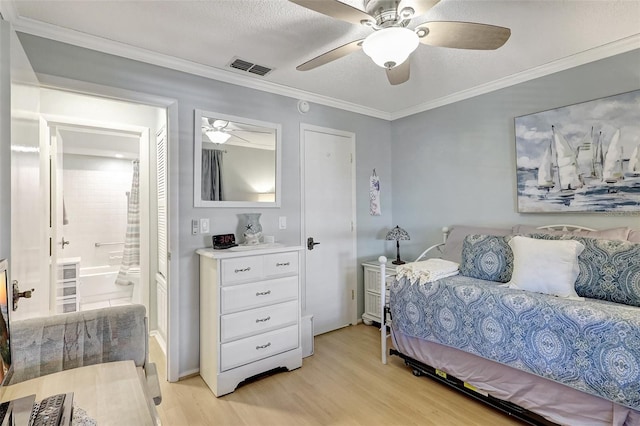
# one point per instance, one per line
(310, 243)
(17, 294)
(64, 243)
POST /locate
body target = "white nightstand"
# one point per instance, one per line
(372, 289)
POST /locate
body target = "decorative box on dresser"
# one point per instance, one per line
(372, 289)
(249, 314)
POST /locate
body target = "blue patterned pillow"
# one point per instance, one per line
(486, 257)
(609, 269)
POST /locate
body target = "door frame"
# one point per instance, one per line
(173, 211)
(353, 308)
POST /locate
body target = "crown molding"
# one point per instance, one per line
(607, 50)
(76, 38)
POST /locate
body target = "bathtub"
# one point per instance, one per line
(98, 288)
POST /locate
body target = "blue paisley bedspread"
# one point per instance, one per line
(590, 345)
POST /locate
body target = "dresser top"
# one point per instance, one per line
(241, 251)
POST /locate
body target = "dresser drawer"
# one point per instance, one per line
(281, 264)
(250, 349)
(253, 295)
(255, 321)
(241, 269)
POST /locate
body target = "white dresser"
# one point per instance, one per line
(249, 314)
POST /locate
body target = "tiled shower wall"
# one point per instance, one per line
(96, 204)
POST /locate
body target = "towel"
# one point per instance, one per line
(427, 270)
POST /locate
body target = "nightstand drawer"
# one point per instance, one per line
(254, 321)
(251, 349)
(248, 296)
(281, 264)
(241, 269)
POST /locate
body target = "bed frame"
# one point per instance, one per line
(421, 369)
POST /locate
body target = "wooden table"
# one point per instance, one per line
(111, 393)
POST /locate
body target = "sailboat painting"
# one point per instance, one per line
(580, 158)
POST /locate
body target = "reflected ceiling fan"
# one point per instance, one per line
(392, 42)
(219, 131)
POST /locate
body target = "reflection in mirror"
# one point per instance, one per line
(236, 161)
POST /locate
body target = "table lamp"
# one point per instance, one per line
(397, 234)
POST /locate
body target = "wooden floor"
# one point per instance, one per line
(343, 383)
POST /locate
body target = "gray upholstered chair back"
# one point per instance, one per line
(48, 345)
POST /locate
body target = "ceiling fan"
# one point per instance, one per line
(392, 42)
(220, 131)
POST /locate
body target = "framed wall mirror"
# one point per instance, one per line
(236, 161)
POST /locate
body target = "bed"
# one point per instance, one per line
(541, 358)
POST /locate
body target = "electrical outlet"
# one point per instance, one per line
(282, 222)
(204, 226)
(195, 226)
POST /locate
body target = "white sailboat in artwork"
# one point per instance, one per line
(633, 168)
(568, 178)
(598, 157)
(585, 157)
(612, 168)
(545, 171)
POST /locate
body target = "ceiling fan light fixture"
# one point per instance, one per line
(216, 136)
(390, 47)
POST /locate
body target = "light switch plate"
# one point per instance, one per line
(204, 226)
(282, 222)
(195, 226)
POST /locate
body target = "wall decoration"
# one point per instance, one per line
(580, 158)
(374, 195)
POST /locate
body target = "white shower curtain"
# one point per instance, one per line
(131, 253)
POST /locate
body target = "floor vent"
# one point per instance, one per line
(252, 68)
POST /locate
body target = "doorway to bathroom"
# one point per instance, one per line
(86, 192)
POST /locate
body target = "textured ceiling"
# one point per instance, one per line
(282, 35)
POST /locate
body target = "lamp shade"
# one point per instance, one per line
(216, 136)
(390, 47)
(397, 234)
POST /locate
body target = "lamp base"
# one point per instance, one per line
(398, 262)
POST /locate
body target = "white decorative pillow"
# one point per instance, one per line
(544, 266)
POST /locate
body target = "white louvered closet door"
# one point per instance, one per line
(162, 273)
(161, 149)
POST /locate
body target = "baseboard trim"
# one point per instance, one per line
(189, 374)
(161, 342)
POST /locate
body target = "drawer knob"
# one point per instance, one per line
(263, 293)
(263, 346)
(247, 269)
(283, 264)
(263, 319)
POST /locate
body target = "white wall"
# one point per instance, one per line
(5, 148)
(456, 164)
(96, 204)
(193, 92)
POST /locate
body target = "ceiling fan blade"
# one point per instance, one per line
(463, 35)
(420, 7)
(400, 74)
(336, 9)
(247, 131)
(331, 55)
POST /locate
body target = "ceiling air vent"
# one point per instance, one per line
(252, 68)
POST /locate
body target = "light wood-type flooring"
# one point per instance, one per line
(343, 383)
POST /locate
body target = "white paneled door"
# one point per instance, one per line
(329, 233)
(29, 201)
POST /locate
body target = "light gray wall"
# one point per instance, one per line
(456, 164)
(191, 92)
